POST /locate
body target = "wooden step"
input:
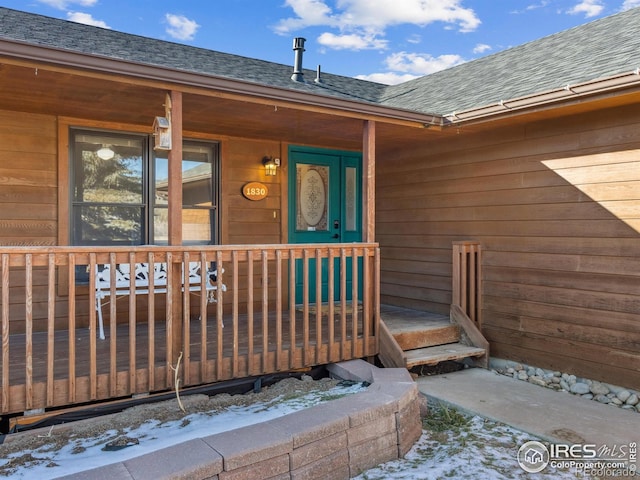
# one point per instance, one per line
(440, 353)
(412, 329)
(427, 336)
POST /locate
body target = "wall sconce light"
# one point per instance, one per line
(162, 127)
(270, 165)
(105, 153)
(162, 133)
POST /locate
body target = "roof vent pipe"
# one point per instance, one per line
(298, 48)
(318, 78)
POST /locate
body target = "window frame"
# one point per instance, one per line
(148, 204)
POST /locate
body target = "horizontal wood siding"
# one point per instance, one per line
(28, 179)
(28, 200)
(246, 221)
(555, 205)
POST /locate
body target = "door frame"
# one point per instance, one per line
(338, 161)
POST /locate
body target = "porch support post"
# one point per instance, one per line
(175, 170)
(174, 99)
(369, 181)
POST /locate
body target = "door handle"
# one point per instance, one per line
(335, 235)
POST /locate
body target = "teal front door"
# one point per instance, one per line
(325, 206)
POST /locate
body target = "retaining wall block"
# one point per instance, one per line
(190, 459)
(371, 430)
(353, 370)
(374, 452)
(315, 451)
(251, 444)
(312, 424)
(409, 425)
(269, 469)
(334, 467)
(107, 472)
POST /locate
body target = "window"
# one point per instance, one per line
(120, 190)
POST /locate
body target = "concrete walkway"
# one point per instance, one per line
(553, 416)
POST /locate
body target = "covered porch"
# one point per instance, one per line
(52, 354)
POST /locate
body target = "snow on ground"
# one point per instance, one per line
(452, 446)
(56, 456)
(458, 446)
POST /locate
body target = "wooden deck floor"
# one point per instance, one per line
(235, 341)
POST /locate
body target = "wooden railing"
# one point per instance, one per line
(466, 305)
(467, 279)
(52, 356)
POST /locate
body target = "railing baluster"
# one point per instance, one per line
(250, 368)
(219, 319)
(72, 327)
(113, 335)
(203, 315)
(235, 307)
(132, 324)
(366, 301)
(5, 334)
(93, 381)
(151, 325)
(376, 298)
(186, 320)
(472, 282)
(331, 274)
(292, 309)
(354, 302)
(318, 282)
(29, 331)
(278, 304)
(343, 301)
(265, 311)
(305, 307)
(51, 319)
(169, 321)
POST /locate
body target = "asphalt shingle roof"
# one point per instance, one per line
(592, 51)
(595, 50)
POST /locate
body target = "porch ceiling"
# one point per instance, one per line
(124, 101)
(59, 90)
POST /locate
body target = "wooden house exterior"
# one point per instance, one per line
(541, 178)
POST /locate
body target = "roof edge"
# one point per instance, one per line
(108, 66)
(547, 98)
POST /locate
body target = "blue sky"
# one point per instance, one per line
(388, 41)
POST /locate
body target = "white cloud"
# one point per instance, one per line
(64, 4)
(387, 78)
(630, 4)
(369, 19)
(481, 48)
(404, 66)
(421, 63)
(351, 42)
(590, 8)
(86, 18)
(180, 27)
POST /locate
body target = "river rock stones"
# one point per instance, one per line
(581, 387)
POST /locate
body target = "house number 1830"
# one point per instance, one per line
(255, 191)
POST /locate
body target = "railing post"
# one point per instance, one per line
(466, 289)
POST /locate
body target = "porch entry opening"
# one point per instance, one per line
(325, 206)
